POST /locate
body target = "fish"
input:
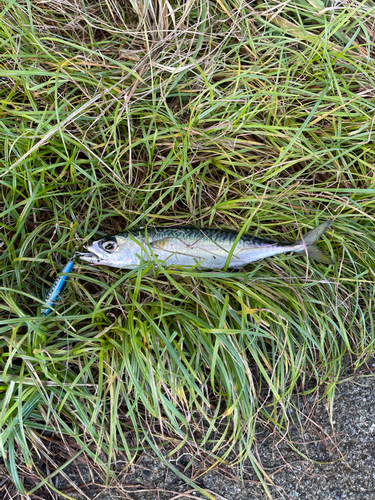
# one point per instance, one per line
(58, 287)
(196, 247)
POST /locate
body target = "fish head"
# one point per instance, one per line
(114, 251)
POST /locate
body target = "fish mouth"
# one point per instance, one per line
(90, 257)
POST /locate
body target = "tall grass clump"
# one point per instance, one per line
(119, 114)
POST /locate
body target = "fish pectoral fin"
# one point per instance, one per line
(160, 244)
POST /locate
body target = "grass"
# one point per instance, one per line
(217, 114)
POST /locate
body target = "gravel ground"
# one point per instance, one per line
(347, 451)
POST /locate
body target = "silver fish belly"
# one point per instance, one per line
(190, 246)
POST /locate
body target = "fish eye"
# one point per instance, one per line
(109, 246)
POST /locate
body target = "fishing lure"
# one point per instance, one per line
(58, 287)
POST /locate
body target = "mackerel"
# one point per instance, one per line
(191, 246)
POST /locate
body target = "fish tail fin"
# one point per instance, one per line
(310, 249)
